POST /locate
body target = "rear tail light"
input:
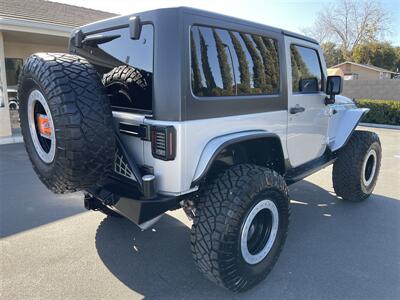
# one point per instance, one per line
(163, 142)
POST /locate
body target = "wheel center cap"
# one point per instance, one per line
(44, 125)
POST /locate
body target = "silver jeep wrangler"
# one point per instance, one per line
(182, 108)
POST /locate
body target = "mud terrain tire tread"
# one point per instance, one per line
(85, 142)
(347, 169)
(220, 213)
(130, 83)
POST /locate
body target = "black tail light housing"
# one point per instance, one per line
(163, 142)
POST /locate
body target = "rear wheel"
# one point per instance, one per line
(240, 226)
(356, 170)
(66, 121)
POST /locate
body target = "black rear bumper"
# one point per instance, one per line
(126, 199)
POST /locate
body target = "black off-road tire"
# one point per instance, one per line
(129, 87)
(80, 109)
(220, 215)
(347, 174)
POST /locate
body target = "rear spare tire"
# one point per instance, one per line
(66, 121)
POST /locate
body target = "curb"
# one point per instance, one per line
(11, 140)
(380, 126)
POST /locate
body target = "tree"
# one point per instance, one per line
(244, 86)
(332, 54)
(397, 62)
(210, 82)
(381, 55)
(196, 75)
(269, 53)
(258, 66)
(226, 72)
(350, 23)
(299, 68)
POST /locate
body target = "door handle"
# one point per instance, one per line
(297, 109)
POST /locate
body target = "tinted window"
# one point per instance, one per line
(13, 68)
(129, 63)
(306, 70)
(136, 53)
(228, 63)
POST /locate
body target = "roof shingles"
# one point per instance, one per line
(51, 12)
(378, 69)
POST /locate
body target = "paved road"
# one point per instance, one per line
(52, 248)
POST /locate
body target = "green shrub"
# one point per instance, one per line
(382, 111)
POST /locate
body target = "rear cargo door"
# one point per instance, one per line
(126, 68)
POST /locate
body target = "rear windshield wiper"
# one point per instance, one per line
(99, 39)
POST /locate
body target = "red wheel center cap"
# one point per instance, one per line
(44, 125)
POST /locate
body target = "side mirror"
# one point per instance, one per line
(334, 86)
(135, 27)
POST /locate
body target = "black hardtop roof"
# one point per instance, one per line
(209, 14)
(205, 13)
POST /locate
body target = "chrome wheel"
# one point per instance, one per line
(259, 231)
(41, 126)
(369, 167)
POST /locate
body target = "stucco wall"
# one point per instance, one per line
(363, 73)
(24, 50)
(372, 89)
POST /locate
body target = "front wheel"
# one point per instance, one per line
(240, 226)
(356, 170)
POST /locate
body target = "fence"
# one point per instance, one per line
(385, 89)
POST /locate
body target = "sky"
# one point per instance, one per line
(291, 15)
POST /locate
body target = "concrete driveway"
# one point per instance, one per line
(52, 248)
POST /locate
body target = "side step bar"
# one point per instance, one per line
(301, 172)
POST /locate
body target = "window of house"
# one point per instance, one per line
(13, 68)
(306, 70)
(230, 63)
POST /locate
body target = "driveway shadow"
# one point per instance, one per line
(334, 250)
(155, 263)
(25, 203)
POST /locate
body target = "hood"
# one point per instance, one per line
(340, 99)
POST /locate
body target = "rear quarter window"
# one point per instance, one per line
(230, 63)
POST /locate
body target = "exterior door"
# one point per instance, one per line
(307, 112)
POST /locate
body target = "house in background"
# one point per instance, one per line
(335, 71)
(33, 26)
(355, 71)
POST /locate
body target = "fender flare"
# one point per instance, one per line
(348, 123)
(217, 144)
